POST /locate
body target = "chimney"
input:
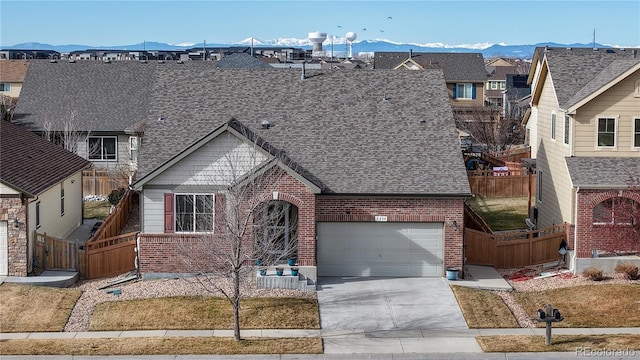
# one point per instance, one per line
(410, 53)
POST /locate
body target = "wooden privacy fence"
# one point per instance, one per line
(115, 222)
(515, 155)
(483, 183)
(56, 254)
(111, 256)
(101, 182)
(513, 249)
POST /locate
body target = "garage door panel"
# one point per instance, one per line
(380, 249)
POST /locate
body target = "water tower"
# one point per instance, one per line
(350, 37)
(317, 38)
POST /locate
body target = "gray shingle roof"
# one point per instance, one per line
(334, 124)
(102, 96)
(242, 61)
(602, 172)
(609, 73)
(456, 66)
(573, 68)
(32, 164)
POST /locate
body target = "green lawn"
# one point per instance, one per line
(501, 213)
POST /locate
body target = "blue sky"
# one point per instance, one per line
(453, 22)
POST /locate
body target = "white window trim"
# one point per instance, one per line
(6, 87)
(133, 146)
(102, 137)
(494, 85)
(615, 134)
(636, 93)
(554, 124)
(38, 216)
(175, 213)
(458, 93)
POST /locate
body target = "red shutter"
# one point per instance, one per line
(168, 213)
(219, 210)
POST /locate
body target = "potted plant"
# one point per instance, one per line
(262, 272)
(292, 261)
(279, 271)
(294, 271)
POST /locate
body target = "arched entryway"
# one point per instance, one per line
(276, 231)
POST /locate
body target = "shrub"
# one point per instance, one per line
(630, 270)
(115, 196)
(593, 273)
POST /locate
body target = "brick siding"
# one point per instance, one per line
(161, 252)
(599, 237)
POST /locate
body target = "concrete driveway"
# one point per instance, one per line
(374, 304)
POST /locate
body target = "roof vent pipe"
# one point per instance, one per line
(266, 124)
(410, 53)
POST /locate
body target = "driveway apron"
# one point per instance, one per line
(374, 304)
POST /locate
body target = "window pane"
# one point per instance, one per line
(606, 132)
(636, 141)
(184, 212)
(204, 213)
(95, 148)
(109, 145)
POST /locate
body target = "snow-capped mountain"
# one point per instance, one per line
(338, 44)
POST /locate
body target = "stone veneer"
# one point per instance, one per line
(12, 208)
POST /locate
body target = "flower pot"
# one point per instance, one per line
(292, 261)
(262, 272)
(294, 271)
(259, 262)
(452, 273)
(279, 271)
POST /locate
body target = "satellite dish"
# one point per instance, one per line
(351, 36)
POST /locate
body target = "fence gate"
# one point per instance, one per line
(513, 249)
(56, 254)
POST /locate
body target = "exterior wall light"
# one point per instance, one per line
(455, 225)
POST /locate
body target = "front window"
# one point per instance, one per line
(194, 213)
(503, 85)
(607, 132)
(539, 185)
(553, 126)
(494, 85)
(5, 87)
(464, 91)
(636, 132)
(102, 148)
(616, 211)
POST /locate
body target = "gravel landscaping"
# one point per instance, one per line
(138, 289)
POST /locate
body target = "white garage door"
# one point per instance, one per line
(4, 249)
(380, 249)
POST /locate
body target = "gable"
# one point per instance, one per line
(218, 162)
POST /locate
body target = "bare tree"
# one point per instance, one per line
(67, 132)
(618, 219)
(241, 225)
(489, 128)
(7, 105)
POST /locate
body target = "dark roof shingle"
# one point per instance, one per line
(358, 132)
(603, 172)
(456, 66)
(32, 164)
(99, 96)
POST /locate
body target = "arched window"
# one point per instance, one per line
(623, 211)
(276, 224)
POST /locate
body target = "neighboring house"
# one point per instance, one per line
(12, 74)
(585, 135)
(464, 73)
(93, 108)
(28, 54)
(40, 190)
(497, 84)
(373, 165)
(242, 61)
(516, 97)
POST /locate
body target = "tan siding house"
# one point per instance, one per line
(585, 137)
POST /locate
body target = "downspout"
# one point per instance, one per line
(575, 230)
